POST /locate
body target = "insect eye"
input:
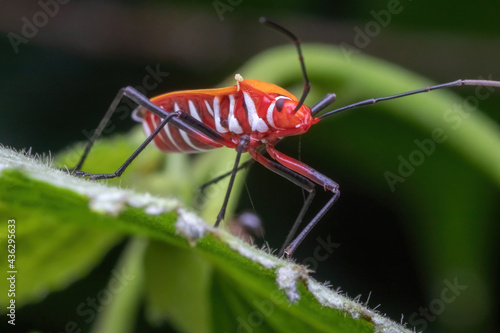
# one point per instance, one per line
(279, 104)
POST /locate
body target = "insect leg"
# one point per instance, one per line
(295, 178)
(242, 145)
(298, 221)
(217, 179)
(289, 34)
(129, 160)
(315, 176)
(129, 92)
(179, 119)
(185, 121)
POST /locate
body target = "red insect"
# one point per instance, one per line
(250, 116)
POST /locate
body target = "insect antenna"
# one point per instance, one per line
(457, 83)
(289, 34)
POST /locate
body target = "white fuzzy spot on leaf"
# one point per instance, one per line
(191, 226)
(287, 279)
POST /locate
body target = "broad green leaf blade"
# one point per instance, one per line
(177, 281)
(256, 274)
(49, 255)
(125, 286)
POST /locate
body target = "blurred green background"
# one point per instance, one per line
(60, 82)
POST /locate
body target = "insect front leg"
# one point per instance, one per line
(313, 175)
(298, 180)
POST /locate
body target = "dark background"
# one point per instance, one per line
(63, 79)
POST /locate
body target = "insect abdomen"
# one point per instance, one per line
(228, 111)
(206, 108)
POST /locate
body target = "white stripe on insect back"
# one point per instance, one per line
(170, 137)
(193, 111)
(184, 135)
(234, 125)
(258, 124)
(188, 141)
(167, 130)
(218, 125)
(155, 124)
(209, 108)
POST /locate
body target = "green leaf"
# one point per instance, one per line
(125, 287)
(49, 253)
(252, 275)
(177, 287)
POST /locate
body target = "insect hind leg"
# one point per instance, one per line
(128, 92)
(136, 153)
